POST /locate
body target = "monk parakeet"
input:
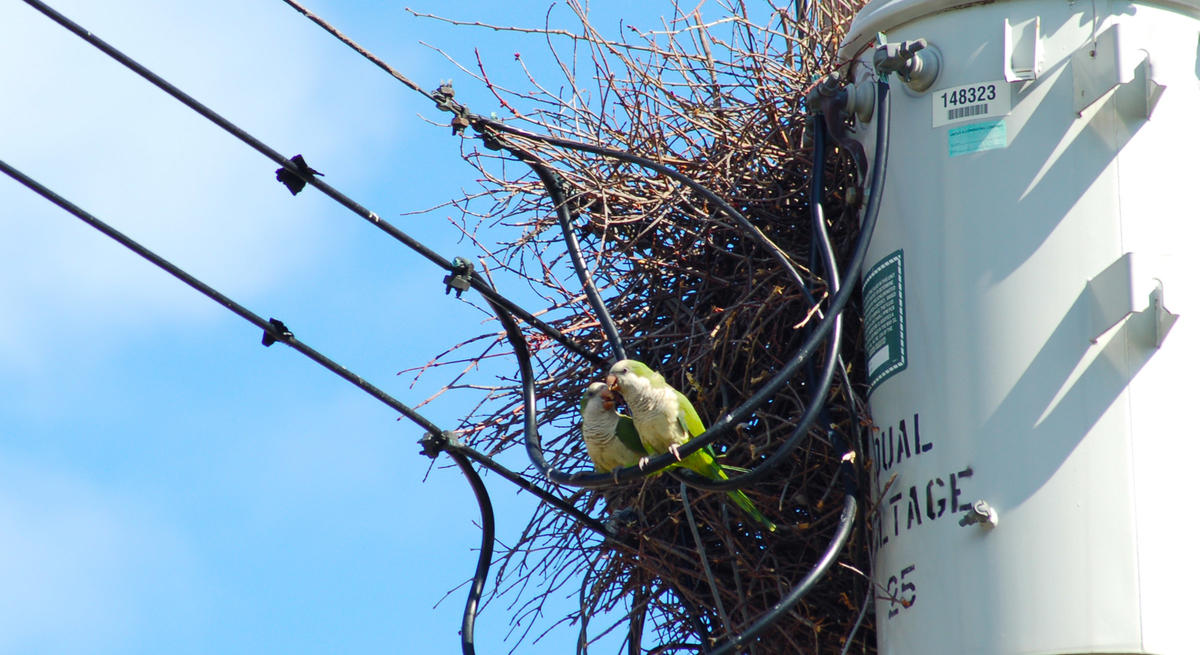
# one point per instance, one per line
(612, 441)
(665, 419)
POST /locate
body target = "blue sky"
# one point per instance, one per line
(166, 483)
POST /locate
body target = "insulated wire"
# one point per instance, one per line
(269, 328)
(831, 319)
(547, 497)
(488, 520)
(777, 611)
(816, 405)
(359, 49)
(703, 556)
(554, 189)
(477, 283)
(850, 504)
(460, 454)
(585, 607)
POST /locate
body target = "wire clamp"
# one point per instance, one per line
(278, 332)
(295, 182)
(433, 444)
(444, 97)
(459, 278)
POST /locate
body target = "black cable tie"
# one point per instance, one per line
(281, 332)
(459, 278)
(432, 444)
(295, 183)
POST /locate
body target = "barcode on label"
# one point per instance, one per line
(968, 103)
(964, 112)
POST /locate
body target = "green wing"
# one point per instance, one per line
(629, 435)
(688, 417)
(704, 461)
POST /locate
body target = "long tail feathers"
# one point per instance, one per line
(705, 465)
(738, 498)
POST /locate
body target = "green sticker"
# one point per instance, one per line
(883, 319)
(977, 137)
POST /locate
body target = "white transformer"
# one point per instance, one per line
(1031, 297)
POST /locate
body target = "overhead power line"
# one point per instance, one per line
(306, 174)
(296, 174)
(273, 329)
(435, 439)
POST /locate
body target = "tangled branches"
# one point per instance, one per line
(698, 298)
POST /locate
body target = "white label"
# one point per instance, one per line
(971, 102)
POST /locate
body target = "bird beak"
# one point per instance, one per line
(612, 383)
(610, 401)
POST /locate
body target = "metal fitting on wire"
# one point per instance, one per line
(459, 278)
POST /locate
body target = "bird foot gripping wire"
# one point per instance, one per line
(459, 278)
(433, 443)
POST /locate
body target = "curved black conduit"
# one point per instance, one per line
(558, 503)
(726, 423)
(845, 524)
(276, 332)
(847, 469)
(488, 521)
(554, 187)
(824, 247)
(487, 127)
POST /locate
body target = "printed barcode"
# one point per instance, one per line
(963, 112)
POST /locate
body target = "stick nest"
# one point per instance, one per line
(695, 297)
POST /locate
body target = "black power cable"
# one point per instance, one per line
(823, 246)
(488, 524)
(306, 174)
(273, 329)
(434, 441)
(554, 188)
(781, 608)
(830, 320)
(847, 472)
(452, 445)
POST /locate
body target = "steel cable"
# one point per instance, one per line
(306, 175)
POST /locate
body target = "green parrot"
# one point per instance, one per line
(665, 419)
(612, 441)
